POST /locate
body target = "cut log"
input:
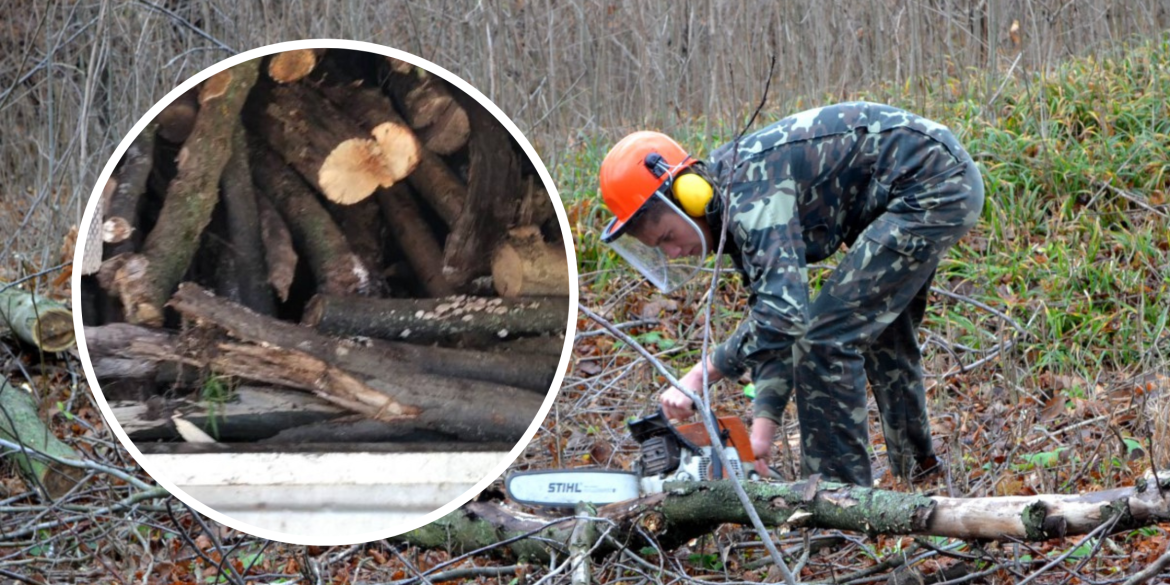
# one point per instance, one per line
(428, 319)
(429, 107)
(253, 414)
(416, 239)
(146, 283)
(432, 178)
(525, 265)
(279, 254)
(687, 510)
(120, 218)
(34, 319)
(335, 155)
(493, 194)
(362, 225)
(291, 66)
(177, 120)
(331, 260)
(243, 224)
(373, 358)
(21, 423)
(91, 258)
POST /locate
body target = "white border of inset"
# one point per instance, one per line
(542, 171)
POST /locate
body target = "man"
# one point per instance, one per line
(896, 189)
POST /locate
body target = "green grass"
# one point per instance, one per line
(1062, 247)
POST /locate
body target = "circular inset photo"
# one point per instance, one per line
(326, 289)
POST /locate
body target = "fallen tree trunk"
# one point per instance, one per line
(344, 162)
(687, 510)
(375, 358)
(21, 423)
(145, 281)
(35, 319)
(436, 318)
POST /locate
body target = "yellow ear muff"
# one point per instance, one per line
(693, 193)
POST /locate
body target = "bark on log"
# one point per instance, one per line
(291, 66)
(525, 265)
(35, 319)
(331, 260)
(359, 431)
(279, 254)
(21, 423)
(145, 283)
(120, 219)
(493, 194)
(469, 409)
(294, 369)
(418, 242)
(429, 108)
(375, 358)
(328, 149)
(243, 223)
(362, 225)
(426, 319)
(177, 120)
(253, 414)
(690, 509)
(442, 190)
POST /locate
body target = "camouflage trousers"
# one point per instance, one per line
(863, 325)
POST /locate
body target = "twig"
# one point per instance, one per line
(468, 573)
(1103, 528)
(627, 325)
(188, 25)
(984, 306)
(1128, 196)
(1151, 571)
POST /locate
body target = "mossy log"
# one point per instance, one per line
(21, 423)
(42, 322)
(687, 510)
(426, 319)
(145, 282)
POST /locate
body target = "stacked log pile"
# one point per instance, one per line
(333, 224)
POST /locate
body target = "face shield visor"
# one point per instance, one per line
(668, 247)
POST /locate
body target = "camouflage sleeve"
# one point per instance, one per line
(764, 222)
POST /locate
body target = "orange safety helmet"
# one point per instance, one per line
(635, 169)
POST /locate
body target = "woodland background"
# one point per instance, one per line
(1052, 380)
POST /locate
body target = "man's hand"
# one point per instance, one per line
(675, 404)
(763, 431)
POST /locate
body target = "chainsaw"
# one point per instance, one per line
(666, 454)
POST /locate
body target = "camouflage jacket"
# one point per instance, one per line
(799, 189)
